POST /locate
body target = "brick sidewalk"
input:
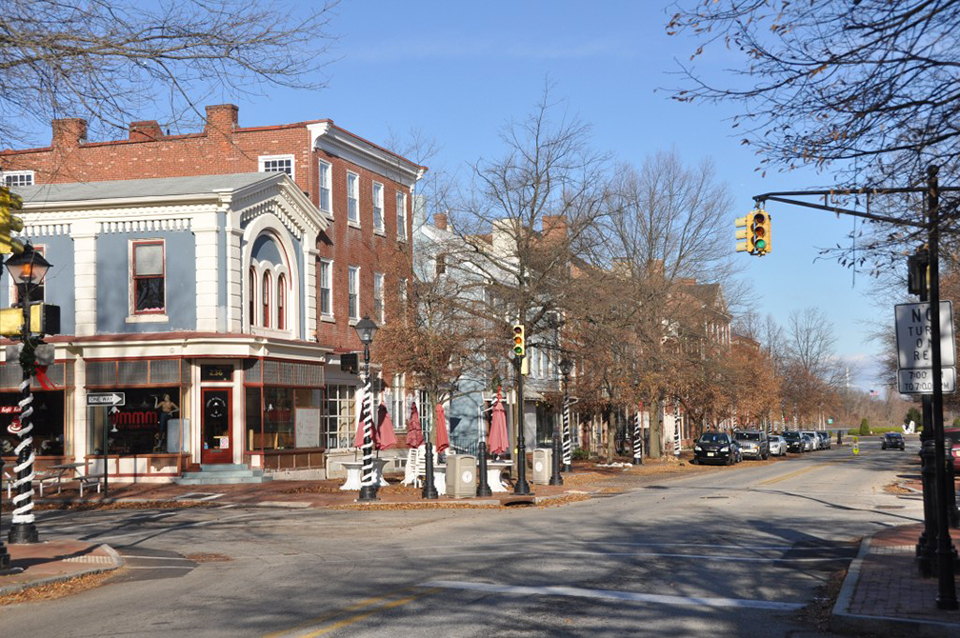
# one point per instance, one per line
(884, 593)
(55, 561)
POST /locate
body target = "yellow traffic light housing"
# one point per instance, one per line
(746, 245)
(9, 223)
(519, 340)
(760, 232)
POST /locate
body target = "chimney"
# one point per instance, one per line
(222, 118)
(69, 132)
(555, 226)
(145, 131)
(440, 221)
(687, 281)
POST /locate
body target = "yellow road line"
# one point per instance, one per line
(360, 605)
(357, 617)
(789, 475)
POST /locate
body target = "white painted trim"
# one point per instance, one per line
(356, 191)
(270, 224)
(261, 160)
(5, 174)
(326, 136)
(323, 166)
(383, 213)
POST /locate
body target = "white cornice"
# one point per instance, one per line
(327, 136)
(224, 347)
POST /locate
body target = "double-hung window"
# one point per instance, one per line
(324, 183)
(353, 291)
(149, 294)
(401, 215)
(326, 288)
(18, 178)
(378, 312)
(378, 207)
(276, 164)
(353, 198)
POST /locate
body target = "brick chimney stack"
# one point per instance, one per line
(440, 221)
(221, 118)
(69, 132)
(145, 131)
(555, 226)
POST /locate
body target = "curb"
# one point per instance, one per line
(842, 621)
(117, 564)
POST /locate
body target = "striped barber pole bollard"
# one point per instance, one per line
(676, 428)
(638, 439)
(368, 482)
(567, 442)
(22, 528)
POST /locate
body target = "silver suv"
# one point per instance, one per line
(754, 443)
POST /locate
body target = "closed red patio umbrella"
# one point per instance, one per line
(498, 443)
(386, 437)
(443, 440)
(414, 430)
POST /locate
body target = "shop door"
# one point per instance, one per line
(217, 440)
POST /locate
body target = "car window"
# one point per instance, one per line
(713, 437)
(747, 436)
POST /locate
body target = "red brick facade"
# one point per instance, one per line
(223, 148)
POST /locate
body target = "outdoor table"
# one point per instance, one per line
(355, 474)
(60, 471)
(494, 470)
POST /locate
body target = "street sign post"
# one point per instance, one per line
(915, 348)
(106, 398)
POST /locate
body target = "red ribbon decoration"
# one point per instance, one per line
(43, 379)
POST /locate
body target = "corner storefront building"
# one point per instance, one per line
(189, 315)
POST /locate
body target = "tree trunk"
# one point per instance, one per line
(611, 434)
(654, 447)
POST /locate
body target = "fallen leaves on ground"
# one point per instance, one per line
(207, 558)
(52, 591)
(422, 505)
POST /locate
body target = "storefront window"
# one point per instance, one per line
(48, 420)
(278, 418)
(254, 419)
(142, 425)
(340, 417)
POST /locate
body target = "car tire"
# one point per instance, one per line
(693, 461)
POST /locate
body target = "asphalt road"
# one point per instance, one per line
(734, 552)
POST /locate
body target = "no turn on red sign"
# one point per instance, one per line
(915, 348)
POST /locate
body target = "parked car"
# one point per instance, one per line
(809, 445)
(778, 445)
(794, 442)
(715, 447)
(754, 443)
(827, 440)
(814, 439)
(892, 440)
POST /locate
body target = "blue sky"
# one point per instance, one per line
(459, 71)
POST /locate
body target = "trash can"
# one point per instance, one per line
(542, 467)
(461, 475)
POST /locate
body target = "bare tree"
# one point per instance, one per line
(868, 85)
(108, 60)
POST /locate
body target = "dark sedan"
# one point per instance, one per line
(892, 440)
(794, 442)
(715, 447)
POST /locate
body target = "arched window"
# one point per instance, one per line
(281, 302)
(252, 294)
(266, 299)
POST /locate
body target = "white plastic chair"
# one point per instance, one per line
(410, 470)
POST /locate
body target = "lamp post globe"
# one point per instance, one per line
(366, 331)
(27, 270)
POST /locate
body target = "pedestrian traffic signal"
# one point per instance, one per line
(8, 222)
(760, 232)
(519, 345)
(747, 245)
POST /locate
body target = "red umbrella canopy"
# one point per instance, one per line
(414, 431)
(443, 441)
(498, 443)
(386, 438)
(358, 438)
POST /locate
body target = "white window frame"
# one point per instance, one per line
(328, 287)
(377, 193)
(353, 194)
(401, 216)
(144, 317)
(353, 290)
(29, 181)
(379, 311)
(264, 159)
(325, 183)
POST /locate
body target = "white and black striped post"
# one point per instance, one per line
(676, 427)
(638, 437)
(565, 366)
(366, 329)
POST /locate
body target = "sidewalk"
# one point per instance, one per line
(883, 593)
(55, 561)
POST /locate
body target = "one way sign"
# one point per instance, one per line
(106, 398)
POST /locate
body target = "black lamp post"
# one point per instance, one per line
(27, 271)
(366, 330)
(565, 367)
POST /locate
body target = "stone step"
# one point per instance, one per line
(223, 475)
(223, 467)
(223, 480)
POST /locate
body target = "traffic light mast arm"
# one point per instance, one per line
(781, 198)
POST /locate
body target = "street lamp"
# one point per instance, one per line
(366, 330)
(566, 366)
(27, 271)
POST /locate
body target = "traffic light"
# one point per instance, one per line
(519, 345)
(747, 245)
(9, 223)
(760, 232)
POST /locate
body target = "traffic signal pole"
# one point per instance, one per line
(945, 553)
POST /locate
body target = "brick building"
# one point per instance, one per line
(362, 196)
